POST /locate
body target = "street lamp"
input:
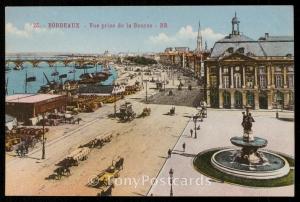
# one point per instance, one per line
(146, 91)
(171, 181)
(43, 140)
(195, 121)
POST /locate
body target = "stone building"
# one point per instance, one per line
(27, 106)
(186, 59)
(241, 71)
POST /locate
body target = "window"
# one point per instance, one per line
(249, 82)
(278, 81)
(237, 80)
(263, 81)
(291, 98)
(277, 69)
(241, 50)
(226, 81)
(237, 68)
(291, 81)
(291, 69)
(225, 70)
(230, 50)
(214, 81)
(226, 99)
(262, 70)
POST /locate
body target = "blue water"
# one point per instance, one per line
(16, 78)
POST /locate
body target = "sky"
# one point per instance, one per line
(27, 28)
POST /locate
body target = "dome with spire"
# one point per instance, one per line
(235, 20)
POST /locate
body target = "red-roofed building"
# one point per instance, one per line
(26, 106)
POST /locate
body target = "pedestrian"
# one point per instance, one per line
(169, 153)
(22, 150)
(191, 131)
(198, 128)
(26, 148)
(183, 147)
(78, 120)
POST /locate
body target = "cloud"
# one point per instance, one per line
(161, 38)
(27, 31)
(185, 34)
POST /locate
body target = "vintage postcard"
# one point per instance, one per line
(149, 101)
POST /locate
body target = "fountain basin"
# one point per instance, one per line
(275, 166)
(256, 143)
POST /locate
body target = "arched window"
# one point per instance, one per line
(241, 50)
(237, 80)
(226, 81)
(291, 81)
(230, 50)
(278, 81)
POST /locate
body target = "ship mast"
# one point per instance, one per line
(6, 92)
(26, 83)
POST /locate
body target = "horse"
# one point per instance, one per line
(106, 192)
(62, 171)
(119, 163)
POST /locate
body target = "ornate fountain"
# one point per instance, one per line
(249, 162)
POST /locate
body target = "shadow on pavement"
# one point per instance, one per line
(139, 194)
(163, 157)
(185, 154)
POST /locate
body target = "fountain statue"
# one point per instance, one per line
(248, 162)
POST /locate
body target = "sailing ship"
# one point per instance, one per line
(51, 86)
(55, 73)
(6, 84)
(84, 66)
(18, 67)
(28, 79)
(96, 77)
(72, 71)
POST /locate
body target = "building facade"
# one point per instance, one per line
(241, 71)
(26, 106)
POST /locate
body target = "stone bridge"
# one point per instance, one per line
(52, 61)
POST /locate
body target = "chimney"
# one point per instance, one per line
(266, 35)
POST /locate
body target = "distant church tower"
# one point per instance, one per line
(199, 40)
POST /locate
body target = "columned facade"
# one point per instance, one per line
(242, 80)
(241, 71)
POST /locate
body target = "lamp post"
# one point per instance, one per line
(146, 91)
(43, 140)
(277, 104)
(115, 98)
(195, 121)
(171, 181)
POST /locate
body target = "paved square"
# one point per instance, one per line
(216, 131)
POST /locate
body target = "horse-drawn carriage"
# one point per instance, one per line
(98, 142)
(104, 179)
(172, 111)
(70, 160)
(11, 142)
(80, 154)
(106, 191)
(126, 112)
(146, 112)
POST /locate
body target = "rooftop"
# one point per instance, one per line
(270, 46)
(29, 98)
(266, 46)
